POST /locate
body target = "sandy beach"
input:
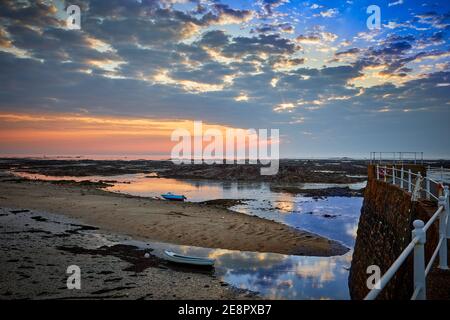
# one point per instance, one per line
(151, 219)
(38, 247)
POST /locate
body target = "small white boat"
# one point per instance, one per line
(178, 258)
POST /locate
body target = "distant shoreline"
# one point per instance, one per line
(290, 171)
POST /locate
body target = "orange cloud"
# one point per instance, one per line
(85, 135)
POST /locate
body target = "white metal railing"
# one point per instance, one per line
(417, 244)
(396, 157)
(420, 187)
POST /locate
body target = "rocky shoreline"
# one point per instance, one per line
(320, 193)
(290, 171)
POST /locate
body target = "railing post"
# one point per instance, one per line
(378, 172)
(402, 175)
(447, 209)
(417, 187)
(393, 175)
(409, 180)
(428, 188)
(385, 173)
(443, 234)
(419, 259)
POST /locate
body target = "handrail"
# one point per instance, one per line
(384, 171)
(433, 218)
(416, 292)
(392, 270)
(433, 257)
(396, 157)
(417, 244)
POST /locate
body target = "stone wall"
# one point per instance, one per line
(384, 231)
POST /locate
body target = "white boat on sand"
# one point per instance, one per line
(178, 258)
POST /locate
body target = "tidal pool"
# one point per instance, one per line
(271, 275)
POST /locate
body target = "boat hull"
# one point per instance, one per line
(188, 260)
(173, 197)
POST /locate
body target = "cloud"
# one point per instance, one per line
(41, 14)
(5, 41)
(274, 28)
(284, 107)
(214, 39)
(395, 25)
(330, 13)
(269, 5)
(241, 97)
(309, 39)
(349, 52)
(286, 63)
(316, 37)
(223, 14)
(436, 20)
(74, 134)
(395, 3)
(211, 61)
(268, 44)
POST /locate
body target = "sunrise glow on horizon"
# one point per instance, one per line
(75, 134)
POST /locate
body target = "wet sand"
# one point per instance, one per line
(38, 247)
(157, 220)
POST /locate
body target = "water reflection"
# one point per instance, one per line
(334, 217)
(194, 190)
(438, 174)
(274, 276)
(124, 178)
(201, 190)
(354, 186)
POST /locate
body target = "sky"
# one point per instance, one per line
(138, 70)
